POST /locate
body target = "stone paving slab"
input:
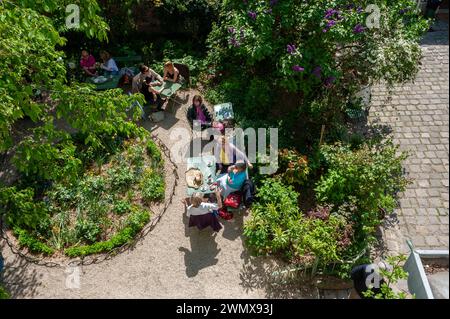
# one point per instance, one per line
(418, 114)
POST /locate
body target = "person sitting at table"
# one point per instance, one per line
(139, 79)
(198, 112)
(234, 179)
(227, 154)
(152, 96)
(87, 63)
(109, 65)
(202, 213)
(171, 73)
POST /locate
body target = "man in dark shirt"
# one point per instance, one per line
(151, 95)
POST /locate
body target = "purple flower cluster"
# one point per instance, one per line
(298, 68)
(332, 16)
(252, 15)
(331, 13)
(234, 42)
(273, 2)
(358, 29)
(233, 39)
(291, 49)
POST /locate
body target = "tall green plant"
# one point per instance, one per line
(369, 177)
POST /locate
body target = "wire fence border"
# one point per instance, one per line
(98, 258)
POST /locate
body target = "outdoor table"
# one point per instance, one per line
(168, 88)
(223, 112)
(201, 163)
(111, 83)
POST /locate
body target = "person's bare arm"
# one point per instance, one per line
(157, 76)
(175, 76)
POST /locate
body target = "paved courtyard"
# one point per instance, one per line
(418, 115)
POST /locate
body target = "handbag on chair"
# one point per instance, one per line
(233, 200)
(224, 214)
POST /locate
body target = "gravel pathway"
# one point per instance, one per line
(172, 261)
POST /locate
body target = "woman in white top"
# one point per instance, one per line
(202, 213)
(109, 65)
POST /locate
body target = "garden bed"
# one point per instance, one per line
(105, 208)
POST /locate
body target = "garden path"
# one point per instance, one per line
(172, 261)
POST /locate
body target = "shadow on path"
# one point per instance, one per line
(262, 273)
(203, 251)
(19, 278)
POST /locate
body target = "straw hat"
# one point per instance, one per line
(194, 178)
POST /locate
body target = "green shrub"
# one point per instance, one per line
(47, 155)
(34, 245)
(134, 224)
(266, 230)
(391, 275)
(154, 152)
(20, 208)
(294, 167)
(258, 98)
(152, 186)
(122, 207)
(276, 226)
(370, 177)
(120, 177)
(87, 230)
(3, 293)
(274, 191)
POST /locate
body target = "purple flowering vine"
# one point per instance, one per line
(332, 16)
(331, 23)
(298, 68)
(252, 15)
(234, 42)
(291, 49)
(358, 29)
(330, 13)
